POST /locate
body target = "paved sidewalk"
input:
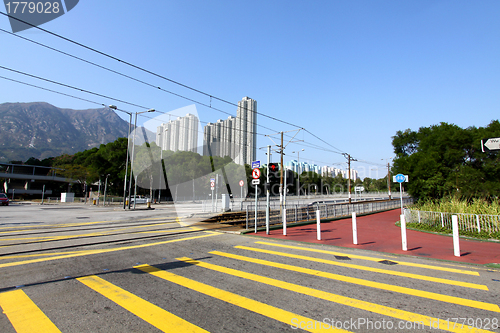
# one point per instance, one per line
(378, 232)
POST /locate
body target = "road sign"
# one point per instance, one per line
(400, 178)
(359, 188)
(255, 181)
(256, 173)
(242, 183)
(490, 144)
(255, 164)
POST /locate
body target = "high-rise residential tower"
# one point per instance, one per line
(246, 131)
(180, 134)
(234, 137)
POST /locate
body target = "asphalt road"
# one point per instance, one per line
(75, 268)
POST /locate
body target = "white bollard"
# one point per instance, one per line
(284, 221)
(318, 225)
(403, 233)
(354, 229)
(456, 239)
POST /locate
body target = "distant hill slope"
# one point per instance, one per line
(42, 130)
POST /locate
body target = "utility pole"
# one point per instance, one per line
(349, 159)
(389, 180)
(267, 189)
(281, 151)
(281, 173)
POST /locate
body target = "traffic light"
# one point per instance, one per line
(273, 167)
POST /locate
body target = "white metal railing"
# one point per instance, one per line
(296, 213)
(479, 223)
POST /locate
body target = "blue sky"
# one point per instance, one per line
(351, 72)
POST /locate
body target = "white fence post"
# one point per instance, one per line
(354, 229)
(284, 221)
(403, 233)
(456, 240)
(318, 225)
(478, 225)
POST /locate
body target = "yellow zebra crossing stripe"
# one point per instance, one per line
(351, 302)
(90, 252)
(154, 315)
(24, 315)
(228, 297)
(354, 256)
(370, 269)
(367, 283)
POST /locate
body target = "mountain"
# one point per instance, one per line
(42, 130)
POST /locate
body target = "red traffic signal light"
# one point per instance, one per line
(273, 167)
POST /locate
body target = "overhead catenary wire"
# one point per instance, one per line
(114, 99)
(338, 151)
(130, 77)
(143, 69)
(105, 105)
(145, 116)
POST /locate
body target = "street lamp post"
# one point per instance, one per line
(388, 176)
(126, 163)
(298, 173)
(105, 189)
(132, 159)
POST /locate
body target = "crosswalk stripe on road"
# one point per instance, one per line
(24, 314)
(354, 256)
(339, 299)
(263, 309)
(368, 283)
(156, 316)
(370, 269)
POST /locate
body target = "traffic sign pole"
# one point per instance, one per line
(255, 208)
(401, 196)
(400, 178)
(212, 186)
(255, 182)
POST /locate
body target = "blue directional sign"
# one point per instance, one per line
(400, 178)
(255, 164)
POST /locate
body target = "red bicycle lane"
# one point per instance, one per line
(378, 232)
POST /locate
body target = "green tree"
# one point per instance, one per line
(445, 159)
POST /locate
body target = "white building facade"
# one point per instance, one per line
(234, 137)
(180, 134)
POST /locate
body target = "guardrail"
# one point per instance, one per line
(295, 213)
(479, 223)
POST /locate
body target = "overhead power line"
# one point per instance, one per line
(105, 105)
(338, 151)
(143, 69)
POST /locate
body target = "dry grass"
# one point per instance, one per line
(455, 205)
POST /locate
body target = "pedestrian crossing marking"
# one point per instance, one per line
(367, 283)
(445, 269)
(99, 233)
(154, 315)
(90, 252)
(370, 269)
(74, 224)
(351, 302)
(24, 314)
(229, 297)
